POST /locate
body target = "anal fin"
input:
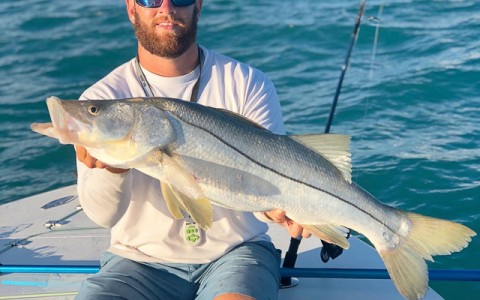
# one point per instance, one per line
(329, 233)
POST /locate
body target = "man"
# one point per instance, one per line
(150, 256)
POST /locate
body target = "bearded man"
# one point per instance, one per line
(152, 255)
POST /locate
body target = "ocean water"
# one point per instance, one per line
(410, 100)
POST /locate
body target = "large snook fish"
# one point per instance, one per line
(203, 155)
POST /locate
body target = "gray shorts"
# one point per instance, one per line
(251, 269)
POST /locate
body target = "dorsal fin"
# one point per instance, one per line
(240, 118)
(334, 147)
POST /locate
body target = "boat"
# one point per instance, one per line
(48, 246)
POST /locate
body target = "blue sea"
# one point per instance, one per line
(410, 98)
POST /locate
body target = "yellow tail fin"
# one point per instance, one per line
(427, 237)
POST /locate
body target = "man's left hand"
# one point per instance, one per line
(294, 229)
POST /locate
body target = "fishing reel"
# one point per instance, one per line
(330, 250)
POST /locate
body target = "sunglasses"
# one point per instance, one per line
(158, 3)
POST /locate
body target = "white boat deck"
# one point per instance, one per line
(24, 240)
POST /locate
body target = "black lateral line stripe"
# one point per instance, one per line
(283, 175)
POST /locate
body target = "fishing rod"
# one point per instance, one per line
(345, 65)
(436, 274)
(328, 250)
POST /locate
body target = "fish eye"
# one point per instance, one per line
(93, 110)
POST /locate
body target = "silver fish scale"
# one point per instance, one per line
(295, 170)
(208, 153)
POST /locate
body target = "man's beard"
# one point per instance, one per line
(169, 45)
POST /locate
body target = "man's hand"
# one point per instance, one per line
(91, 162)
(294, 229)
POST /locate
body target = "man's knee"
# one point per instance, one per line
(233, 296)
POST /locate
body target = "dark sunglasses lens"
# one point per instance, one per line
(149, 3)
(183, 2)
(158, 3)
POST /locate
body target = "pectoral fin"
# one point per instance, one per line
(334, 147)
(329, 233)
(184, 193)
(173, 205)
(200, 209)
(179, 189)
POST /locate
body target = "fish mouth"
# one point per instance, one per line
(69, 130)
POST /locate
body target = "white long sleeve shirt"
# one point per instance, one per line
(132, 205)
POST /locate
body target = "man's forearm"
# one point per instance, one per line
(104, 195)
